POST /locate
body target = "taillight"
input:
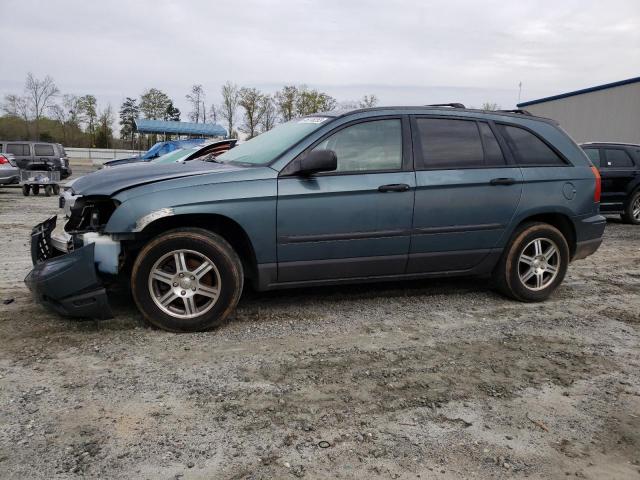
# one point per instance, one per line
(598, 190)
(3, 160)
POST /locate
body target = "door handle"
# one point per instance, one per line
(394, 187)
(503, 181)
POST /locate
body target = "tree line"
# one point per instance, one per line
(42, 112)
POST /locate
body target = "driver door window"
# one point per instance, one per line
(367, 146)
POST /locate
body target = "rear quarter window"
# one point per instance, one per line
(43, 150)
(528, 149)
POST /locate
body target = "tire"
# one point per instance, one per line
(56, 189)
(632, 211)
(25, 190)
(178, 298)
(48, 190)
(523, 272)
(35, 189)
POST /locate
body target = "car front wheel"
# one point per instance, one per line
(533, 264)
(187, 280)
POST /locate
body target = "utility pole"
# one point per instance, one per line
(519, 91)
(204, 112)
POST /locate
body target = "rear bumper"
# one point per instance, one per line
(589, 232)
(65, 283)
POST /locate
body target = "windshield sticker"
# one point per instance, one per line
(312, 120)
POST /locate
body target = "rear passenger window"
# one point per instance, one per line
(529, 149)
(594, 155)
(616, 158)
(43, 150)
(449, 144)
(19, 149)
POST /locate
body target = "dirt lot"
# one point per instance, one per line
(431, 379)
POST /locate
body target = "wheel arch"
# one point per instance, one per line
(221, 225)
(558, 220)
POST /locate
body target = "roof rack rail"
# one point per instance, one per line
(517, 110)
(452, 105)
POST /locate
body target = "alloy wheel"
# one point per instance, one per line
(184, 283)
(635, 209)
(539, 264)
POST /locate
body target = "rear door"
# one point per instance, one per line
(618, 171)
(466, 193)
(21, 152)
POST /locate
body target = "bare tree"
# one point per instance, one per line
(269, 113)
(213, 113)
(490, 106)
(252, 101)
(39, 94)
(229, 106)
(196, 99)
(368, 101)
(104, 135)
(16, 106)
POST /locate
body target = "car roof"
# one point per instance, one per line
(439, 109)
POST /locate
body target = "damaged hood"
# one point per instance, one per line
(109, 181)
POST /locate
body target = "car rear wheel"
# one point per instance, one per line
(25, 190)
(632, 212)
(48, 190)
(187, 280)
(533, 264)
(35, 189)
(56, 189)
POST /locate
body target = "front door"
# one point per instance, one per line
(466, 194)
(356, 221)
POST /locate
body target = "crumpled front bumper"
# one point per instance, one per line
(65, 282)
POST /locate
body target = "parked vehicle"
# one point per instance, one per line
(9, 172)
(357, 196)
(157, 150)
(204, 152)
(28, 154)
(619, 165)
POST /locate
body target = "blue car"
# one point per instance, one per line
(157, 150)
(354, 196)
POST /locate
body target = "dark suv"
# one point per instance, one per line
(38, 155)
(619, 165)
(341, 197)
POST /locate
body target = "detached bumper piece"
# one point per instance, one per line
(65, 283)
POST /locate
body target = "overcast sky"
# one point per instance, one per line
(404, 51)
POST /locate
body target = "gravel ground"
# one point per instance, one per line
(427, 379)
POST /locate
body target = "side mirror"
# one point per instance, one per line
(317, 161)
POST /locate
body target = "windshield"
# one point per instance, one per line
(152, 152)
(268, 146)
(175, 156)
